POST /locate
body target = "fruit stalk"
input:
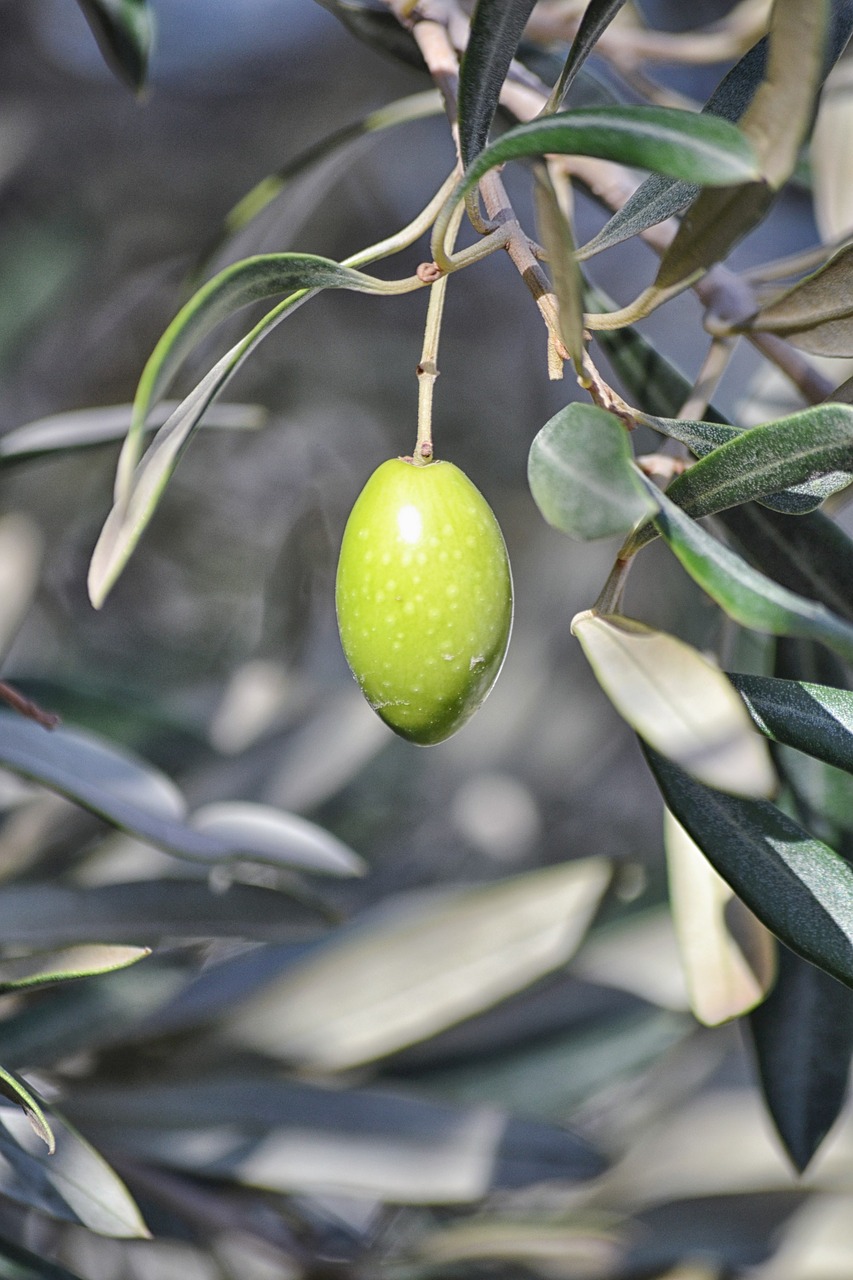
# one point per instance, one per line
(428, 366)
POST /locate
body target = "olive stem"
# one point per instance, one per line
(611, 594)
(428, 367)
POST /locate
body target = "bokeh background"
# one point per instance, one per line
(217, 659)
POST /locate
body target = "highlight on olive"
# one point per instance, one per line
(424, 597)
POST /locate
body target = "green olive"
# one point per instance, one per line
(424, 597)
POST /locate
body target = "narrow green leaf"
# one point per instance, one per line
(775, 122)
(659, 198)
(803, 1039)
(703, 437)
(124, 30)
(684, 144)
(797, 886)
(729, 958)
(816, 314)
(250, 280)
(141, 486)
(60, 966)
(496, 28)
(74, 1184)
(597, 17)
(555, 230)
(135, 797)
(710, 229)
(14, 1089)
(810, 555)
(417, 106)
(814, 445)
(582, 477)
(742, 592)
(815, 718)
(678, 702)
(87, 428)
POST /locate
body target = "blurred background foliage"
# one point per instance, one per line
(435, 1067)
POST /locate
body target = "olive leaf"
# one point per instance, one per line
(745, 594)
(597, 17)
(816, 314)
(660, 197)
(496, 27)
(555, 230)
(795, 884)
(582, 476)
(124, 30)
(814, 718)
(677, 701)
(803, 1039)
(729, 958)
(809, 453)
(810, 555)
(14, 1089)
(775, 122)
(44, 968)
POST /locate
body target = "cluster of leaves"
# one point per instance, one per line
(285, 1068)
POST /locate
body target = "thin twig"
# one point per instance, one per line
(26, 707)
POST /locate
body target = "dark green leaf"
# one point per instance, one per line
(684, 144)
(659, 198)
(372, 22)
(746, 595)
(797, 886)
(810, 555)
(597, 17)
(710, 229)
(60, 966)
(124, 30)
(775, 122)
(142, 913)
(74, 1184)
(137, 798)
(581, 474)
(803, 1038)
(496, 28)
(16, 1091)
(814, 718)
(816, 314)
(822, 794)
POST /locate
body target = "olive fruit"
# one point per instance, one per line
(424, 597)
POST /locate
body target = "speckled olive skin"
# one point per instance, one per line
(424, 597)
